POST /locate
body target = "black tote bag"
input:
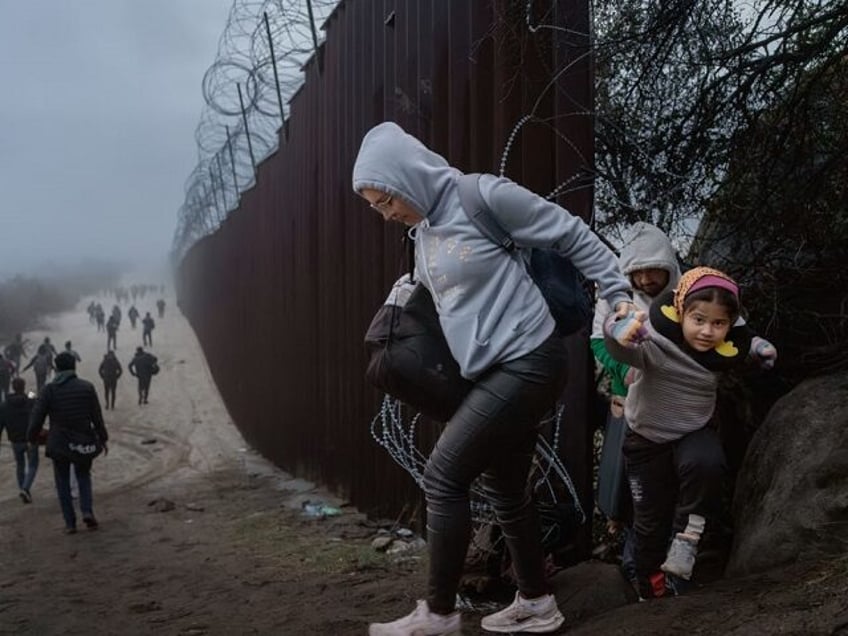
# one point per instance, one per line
(409, 358)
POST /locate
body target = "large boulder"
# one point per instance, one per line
(791, 499)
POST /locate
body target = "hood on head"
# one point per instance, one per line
(648, 247)
(393, 161)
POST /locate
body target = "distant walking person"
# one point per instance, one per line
(133, 314)
(110, 370)
(7, 372)
(77, 435)
(14, 417)
(99, 316)
(49, 346)
(160, 305)
(148, 325)
(51, 352)
(42, 365)
(69, 349)
(143, 366)
(112, 332)
(16, 350)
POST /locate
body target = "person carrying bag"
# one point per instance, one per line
(77, 435)
(500, 332)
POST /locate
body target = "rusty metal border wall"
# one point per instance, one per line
(280, 296)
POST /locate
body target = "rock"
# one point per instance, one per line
(160, 504)
(791, 499)
(382, 543)
(194, 507)
(148, 440)
(398, 547)
(589, 589)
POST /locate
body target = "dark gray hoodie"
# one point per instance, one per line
(489, 308)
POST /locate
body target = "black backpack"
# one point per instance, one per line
(561, 284)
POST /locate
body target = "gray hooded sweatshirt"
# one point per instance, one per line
(489, 308)
(646, 247)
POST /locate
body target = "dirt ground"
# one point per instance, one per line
(199, 535)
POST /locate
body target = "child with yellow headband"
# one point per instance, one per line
(674, 462)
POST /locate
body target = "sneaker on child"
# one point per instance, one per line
(680, 560)
(535, 616)
(421, 622)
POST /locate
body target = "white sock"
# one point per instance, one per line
(695, 528)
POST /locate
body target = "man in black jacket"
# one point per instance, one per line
(143, 366)
(14, 417)
(77, 435)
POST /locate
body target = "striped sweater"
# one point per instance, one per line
(672, 394)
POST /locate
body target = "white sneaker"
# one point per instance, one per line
(537, 616)
(680, 560)
(421, 622)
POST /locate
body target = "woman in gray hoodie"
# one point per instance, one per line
(501, 333)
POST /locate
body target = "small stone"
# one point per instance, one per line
(382, 543)
(160, 504)
(398, 547)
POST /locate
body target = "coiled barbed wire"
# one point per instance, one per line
(240, 122)
(394, 430)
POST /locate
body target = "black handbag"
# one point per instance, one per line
(410, 360)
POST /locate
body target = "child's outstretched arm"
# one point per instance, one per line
(763, 352)
(627, 340)
(628, 330)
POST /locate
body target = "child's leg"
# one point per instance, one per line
(701, 467)
(653, 486)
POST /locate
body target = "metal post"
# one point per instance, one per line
(312, 25)
(206, 204)
(232, 163)
(246, 129)
(274, 64)
(221, 179)
(215, 194)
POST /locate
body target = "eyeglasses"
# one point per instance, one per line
(382, 204)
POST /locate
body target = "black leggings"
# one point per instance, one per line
(493, 436)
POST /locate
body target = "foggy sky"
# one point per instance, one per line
(99, 100)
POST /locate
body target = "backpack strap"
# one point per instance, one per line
(479, 213)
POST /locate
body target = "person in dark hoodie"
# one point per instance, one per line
(14, 417)
(77, 435)
(143, 366)
(649, 260)
(110, 370)
(504, 342)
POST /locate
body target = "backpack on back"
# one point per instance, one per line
(560, 282)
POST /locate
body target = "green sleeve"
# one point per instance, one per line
(615, 369)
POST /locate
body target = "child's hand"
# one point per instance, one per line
(628, 331)
(763, 352)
